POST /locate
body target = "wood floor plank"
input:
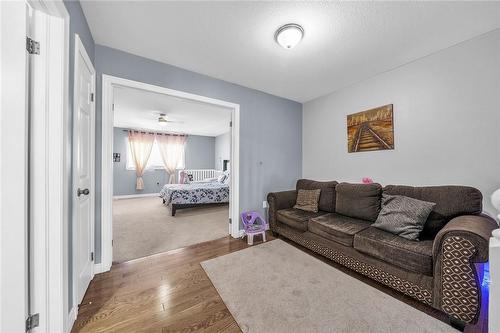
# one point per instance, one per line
(170, 292)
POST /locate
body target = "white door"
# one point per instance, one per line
(83, 168)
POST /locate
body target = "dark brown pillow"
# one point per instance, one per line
(326, 198)
(360, 201)
(307, 200)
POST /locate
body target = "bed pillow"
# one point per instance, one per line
(182, 177)
(307, 200)
(221, 178)
(403, 216)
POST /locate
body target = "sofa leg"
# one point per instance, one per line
(457, 323)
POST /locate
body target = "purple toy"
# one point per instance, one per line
(254, 224)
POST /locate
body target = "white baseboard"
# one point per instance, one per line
(100, 268)
(72, 317)
(131, 196)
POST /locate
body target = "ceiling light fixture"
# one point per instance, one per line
(289, 35)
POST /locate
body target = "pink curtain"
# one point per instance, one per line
(172, 152)
(141, 145)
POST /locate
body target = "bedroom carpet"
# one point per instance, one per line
(275, 287)
(143, 226)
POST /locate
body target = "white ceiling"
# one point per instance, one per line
(140, 109)
(344, 42)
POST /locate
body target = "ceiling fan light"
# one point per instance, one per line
(289, 35)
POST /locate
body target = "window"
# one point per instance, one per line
(155, 161)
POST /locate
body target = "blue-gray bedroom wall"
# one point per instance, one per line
(77, 25)
(222, 150)
(270, 128)
(199, 154)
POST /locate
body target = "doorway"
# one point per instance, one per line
(170, 187)
(111, 100)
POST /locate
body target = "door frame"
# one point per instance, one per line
(108, 84)
(52, 236)
(80, 50)
(13, 175)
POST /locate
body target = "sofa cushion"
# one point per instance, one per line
(296, 218)
(338, 228)
(403, 216)
(414, 256)
(360, 201)
(451, 201)
(327, 197)
(307, 200)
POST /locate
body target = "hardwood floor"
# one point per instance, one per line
(170, 292)
(167, 292)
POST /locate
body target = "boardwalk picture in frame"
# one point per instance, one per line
(370, 130)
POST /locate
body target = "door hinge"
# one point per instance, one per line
(32, 46)
(32, 321)
(112, 242)
(91, 97)
(113, 106)
(230, 221)
(91, 256)
(230, 124)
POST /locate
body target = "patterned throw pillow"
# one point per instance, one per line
(403, 216)
(308, 200)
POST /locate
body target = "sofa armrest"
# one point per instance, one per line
(280, 200)
(457, 247)
(474, 228)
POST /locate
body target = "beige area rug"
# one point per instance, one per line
(275, 287)
(143, 226)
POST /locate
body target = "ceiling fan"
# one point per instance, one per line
(163, 120)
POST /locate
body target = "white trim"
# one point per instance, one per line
(241, 233)
(81, 51)
(73, 314)
(108, 82)
(13, 180)
(132, 196)
(51, 237)
(57, 175)
(98, 268)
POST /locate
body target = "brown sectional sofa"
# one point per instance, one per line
(438, 270)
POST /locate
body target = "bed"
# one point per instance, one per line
(200, 193)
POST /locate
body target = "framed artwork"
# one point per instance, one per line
(370, 130)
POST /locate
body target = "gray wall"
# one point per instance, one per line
(270, 134)
(77, 25)
(446, 118)
(200, 152)
(199, 155)
(222, 149)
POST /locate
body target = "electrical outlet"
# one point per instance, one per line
(264, 204)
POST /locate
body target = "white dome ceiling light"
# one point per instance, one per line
(289, 35)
